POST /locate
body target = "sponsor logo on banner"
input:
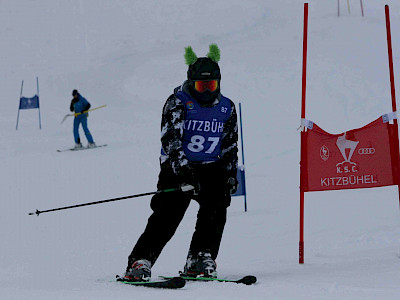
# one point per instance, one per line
(366, 151)
(324, 153)
(347, 145)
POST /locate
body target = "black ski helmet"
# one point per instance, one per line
(203, 68)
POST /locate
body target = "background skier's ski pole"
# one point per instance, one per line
(70, 115)
(183, 188)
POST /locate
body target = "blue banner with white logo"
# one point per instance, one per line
(29, 103)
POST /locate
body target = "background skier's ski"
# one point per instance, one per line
(83, 148)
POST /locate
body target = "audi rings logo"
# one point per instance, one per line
(366, 151)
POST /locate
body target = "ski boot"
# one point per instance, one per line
(200, 265)
(92, 145)
(139, 271)
(78, 146)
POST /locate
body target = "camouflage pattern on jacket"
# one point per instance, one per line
(172, 122)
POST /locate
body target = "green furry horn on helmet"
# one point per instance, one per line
(214, 53)
(190, 56)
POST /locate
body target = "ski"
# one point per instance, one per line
(247, 280)
(79, 149)
(167, 283)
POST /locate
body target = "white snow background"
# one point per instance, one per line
(129, 55)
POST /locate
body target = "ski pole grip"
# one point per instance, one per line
(166, 191)
(187, 187)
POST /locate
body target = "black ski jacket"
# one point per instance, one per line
(173, 118)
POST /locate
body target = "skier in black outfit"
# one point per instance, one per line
(199, 150)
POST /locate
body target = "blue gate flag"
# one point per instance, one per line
(240, 175)
(241, 191)
(29, 103)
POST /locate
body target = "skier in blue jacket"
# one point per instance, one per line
(199, 149)
(80, 106)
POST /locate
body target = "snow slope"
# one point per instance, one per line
(129, 55)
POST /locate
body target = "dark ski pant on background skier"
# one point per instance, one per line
(169, 210)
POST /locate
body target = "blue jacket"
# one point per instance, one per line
(79, 104)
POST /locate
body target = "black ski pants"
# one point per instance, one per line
(169, 210)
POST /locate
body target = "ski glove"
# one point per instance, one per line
(232, 185)
(186, 177)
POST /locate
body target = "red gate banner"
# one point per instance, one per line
(360, 158)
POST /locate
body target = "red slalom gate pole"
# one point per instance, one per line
(303, 137)
(392, 88)
(390, 55)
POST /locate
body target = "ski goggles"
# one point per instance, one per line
(202, 85)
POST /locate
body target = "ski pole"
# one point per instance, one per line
(183, 188)
(77, 114)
